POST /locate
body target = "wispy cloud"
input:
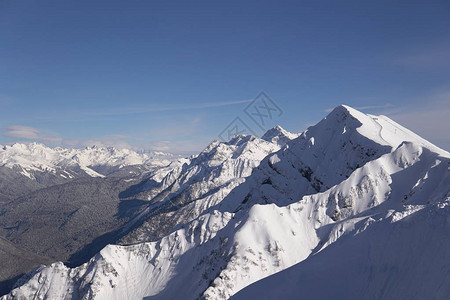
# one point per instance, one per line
(432, 124)
(164, 146)
(21, 132)
(106, 142)
(145, 109)
(430, 119)
(185, 147)
(427, 115)
(29, 133)
(111, 140)
(386, 105)
(374, 106)
(182, 147)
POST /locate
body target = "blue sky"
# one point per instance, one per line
(171, 75)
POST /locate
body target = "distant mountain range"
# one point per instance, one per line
(47, 199)
(355, 207)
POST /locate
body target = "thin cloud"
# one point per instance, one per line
(116, 136)
(429, 120)
(29, 133)
(130, 111)
(432, 124)
(387, 105)
(21, 132)
(111, 140)
(426, 115)
(181, 147)
(51, 139)
(120, 141)
(120, 144)
(163, 146)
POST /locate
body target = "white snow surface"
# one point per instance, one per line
(200, 182)
(279, 135)
(392, 259)
(357, 204)
(41, 158)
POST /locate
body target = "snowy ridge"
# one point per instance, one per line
(279, 135)
(35, 157)
(245, 210)
(388, 132)
(245, 247)
(391, 259)
(196, 184)
(319, 220)
(328, 153)
(129, 265)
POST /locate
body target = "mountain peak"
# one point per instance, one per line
(346, 120)
(342, 112)
(38, 157)
(245, 209)
(277, 129)
(278, 135)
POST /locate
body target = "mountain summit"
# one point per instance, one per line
(355, 206)
(279, 136)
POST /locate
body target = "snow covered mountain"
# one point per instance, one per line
(16, 261)
(25, 168)
(394, 258)
(279, 135)
(194, 185)
(74, 220)
(57, 202)
(247, 209)
(35, 157)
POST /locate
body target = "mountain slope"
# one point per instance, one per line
(14, 262)
(323, 156)
(404, 259)
(372, 192)
(35, 157)
(61, 220)
(74, 220)
(278, 135)
(25, 168)
(342, 178)
(233, 250)
(65, 203)
(193, 186)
